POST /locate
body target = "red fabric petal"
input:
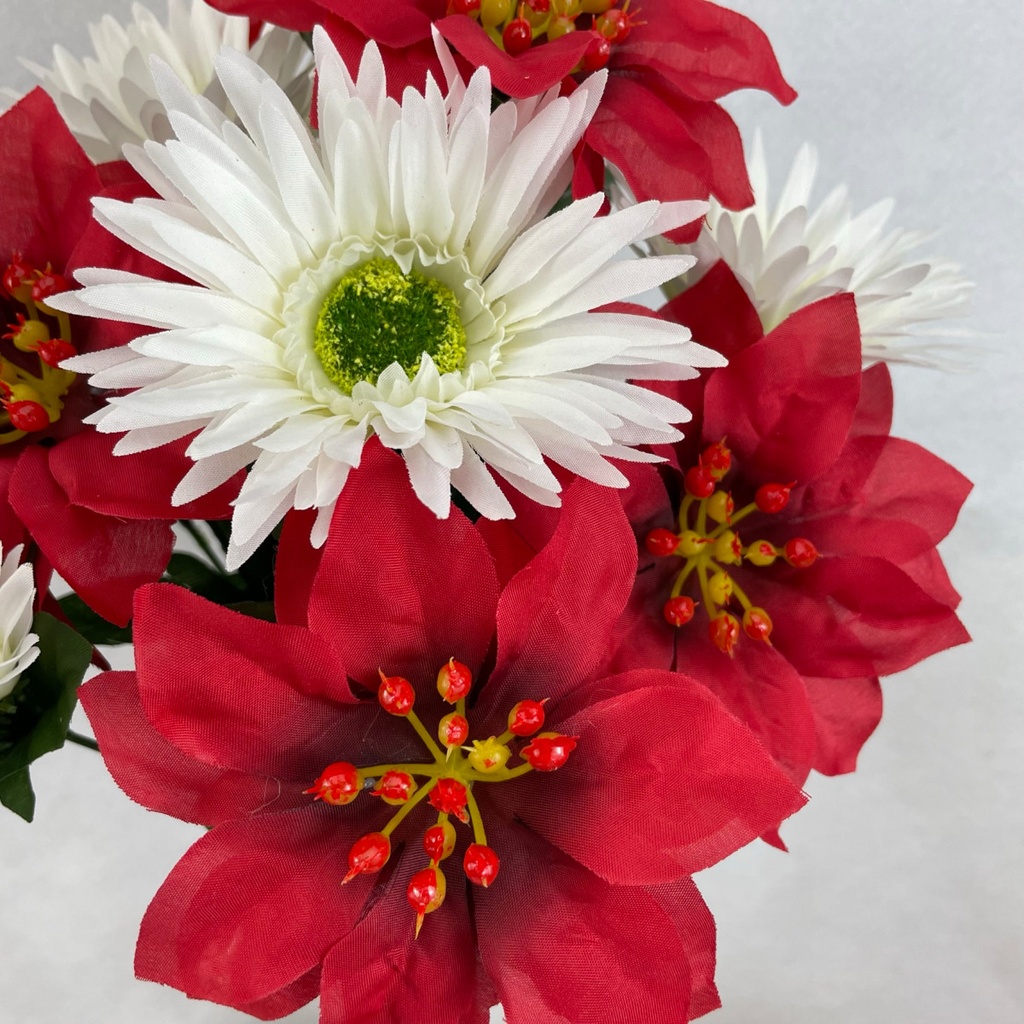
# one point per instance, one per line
(298, 15)
(402, 592)
(295, 567)
(563, 945)
(398, 23)
(104, 559)
(846, 712)
(705, 50)
(253, 906)
(529, 74)
(157, 775)
(664, 781)
(48, 183)
(12, 529)
(133, 486)
(555, 618)
(239, 692)
(381, 973)
(874, 411)
(696, 930)
(763, 691)
(786, 404)
(858, 616)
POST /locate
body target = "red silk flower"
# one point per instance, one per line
(228, 720)
(659, 121)
(102, 521)
(793, 407)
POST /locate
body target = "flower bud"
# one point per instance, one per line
(439, 840)
(27, 335)
(800, 553)
(339, 783)
(454, 681)
(481, 864)
(721, 507)
(453, 730)
(728, 548)
(368, 855)
(449, 797)
(17, 279)
(661, 542)
(495, 12)
(526, 717)
(699, 482)
(716, 458)
(724, 631)
(27, 416)
(517, 36)
(55, 351)
(757, 624)
(678, 610)
(548, 751)
(762, 552)
(772, 497)
(49, 283)
(395, 787)
(425, 893)
(488, 755)
(720, 587)
(396, 695)
(692, 543)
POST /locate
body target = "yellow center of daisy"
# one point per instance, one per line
(377, 315)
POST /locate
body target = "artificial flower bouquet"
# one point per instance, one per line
(477, 600)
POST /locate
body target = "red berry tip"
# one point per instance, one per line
(800, 553)
(699, 482)
(661, 542)
(716, 458)
(724, 631)
(394, 787)
(368, 855)
(449, 797)
(425, 893)
(518, 35)
(339, 783)
(27, 416)
(598, 52)
(454, 681)
(772, 497)
(526, 718)
(463, 6)
(481, 864)
(439, 840)
(395, 694)
(49, 283)
(17, 278)
(549, 751)
(757, 624)
(678, 610)
(453, 730)
(55, 351)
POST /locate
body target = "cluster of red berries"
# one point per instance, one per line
(709, 547)
(448, 785)
(31, 402)
(516, 25)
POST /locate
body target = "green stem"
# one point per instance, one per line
(82, 741)
(205, 546)
(407, 807)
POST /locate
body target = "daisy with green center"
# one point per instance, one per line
(111, 99)
(397, 275)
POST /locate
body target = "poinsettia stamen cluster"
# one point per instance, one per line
(448, 788)
(707, 541)
(515, 27)
(33, 401)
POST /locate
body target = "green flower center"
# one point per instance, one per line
(376, 315)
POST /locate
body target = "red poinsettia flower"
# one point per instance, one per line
(669, 63)
(271, 733)
(103, 522)
(802, 534)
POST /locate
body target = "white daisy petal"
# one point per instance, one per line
(18, 647)
(395, 274)
(786, 256)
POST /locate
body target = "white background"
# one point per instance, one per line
(902, 900)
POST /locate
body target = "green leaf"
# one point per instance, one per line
(43, 704)
(194, 574)
(92, 626)
(16, 794)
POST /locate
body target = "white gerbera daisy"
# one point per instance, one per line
(111, 100)
(398, 277)
(787, 257)
(18, 647)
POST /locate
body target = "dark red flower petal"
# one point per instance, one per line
(787, 403)
(157, 775)
(239, 692)
(846, 712)
(381, 972)
(104, 559)
(663, 782)
(298, 15)
(874, 411)
(555, 618)
(402, 591)
(253, 906)
(563, 945)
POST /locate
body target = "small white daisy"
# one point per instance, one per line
(787, 256)
(396, 276)
(18, 647)
(111, 100)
